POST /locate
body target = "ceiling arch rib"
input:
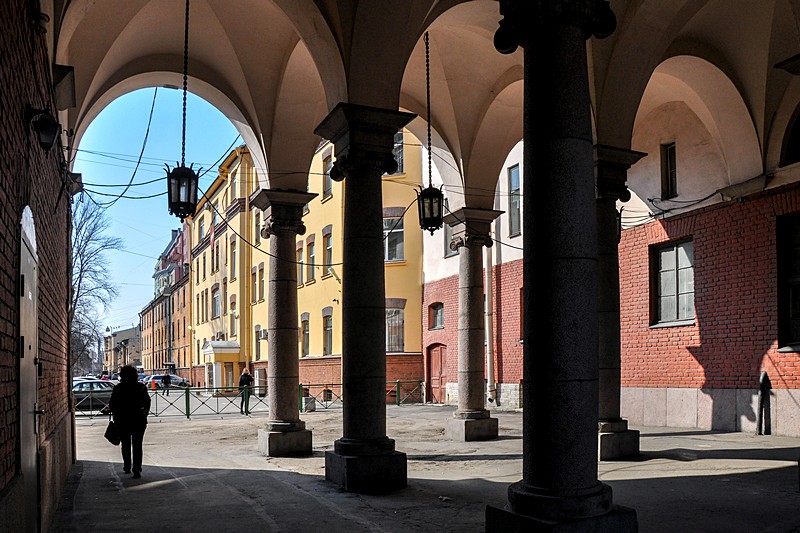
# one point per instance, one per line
(476, 99)
(712, 96)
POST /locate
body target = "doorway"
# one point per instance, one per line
(437, 373)
(28, 375)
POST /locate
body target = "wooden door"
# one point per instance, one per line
(437, 373)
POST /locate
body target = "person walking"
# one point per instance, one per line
(130, 404)
(245, 381)
(166, 381)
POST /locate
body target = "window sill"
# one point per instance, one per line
(233, 279)
(435, 328)
(299, 285)
(394, 262)
(512, 235)
(311, 282)
(673, 324)
(326, 198)
(326, 276)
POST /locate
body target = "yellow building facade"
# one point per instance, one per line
(221, 232)
(230, 273)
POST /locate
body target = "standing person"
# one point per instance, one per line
(245, 380)
(166, 381)
(130, 404)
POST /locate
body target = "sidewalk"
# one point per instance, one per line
(206, 474)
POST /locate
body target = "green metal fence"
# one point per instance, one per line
(198, 401)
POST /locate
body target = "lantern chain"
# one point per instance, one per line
(185, 84)
(428, 103)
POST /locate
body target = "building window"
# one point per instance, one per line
(327, 335)
(436, 316)
(258, 345)
(788, 236)
(197, 311)
(224, 296)
(215, 303)
(393, 239)
(253, 287)
(669, 174)
(304, 338)
(514, 202)
(258, 229)
(394, 330)
(208, 303)
(204, 265)
(214, 213)
(310, 262)
(233, 319)
(327, 182)
(300, 266)
(327, 241)
(216, 254)
(261, 283)
(674, 282)
(201, 229)
(233, 260)
(397, 151)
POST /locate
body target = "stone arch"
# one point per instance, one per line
(476, 100)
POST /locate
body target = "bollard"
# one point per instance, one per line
(187, 396)
(397, 393)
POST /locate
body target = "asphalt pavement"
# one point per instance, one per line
(206, 474)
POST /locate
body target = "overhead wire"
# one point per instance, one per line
(141, 152)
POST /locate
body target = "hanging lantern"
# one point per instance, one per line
(430, 201)
(182, 191)
(182, 180)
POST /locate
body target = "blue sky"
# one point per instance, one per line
(107, 155)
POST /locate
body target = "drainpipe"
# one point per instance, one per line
(488, 323)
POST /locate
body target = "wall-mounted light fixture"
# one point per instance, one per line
(44, 124)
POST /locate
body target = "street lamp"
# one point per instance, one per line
(182, 191)
(429, 203)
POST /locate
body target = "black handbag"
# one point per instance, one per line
(112, 433)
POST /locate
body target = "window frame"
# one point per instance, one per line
(397, 227)
(514, 202)
(658, 279)
(669, 171)
(435, 310)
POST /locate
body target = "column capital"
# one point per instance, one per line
(363, 137)
(523, 18)
(283, 209)
(472, 226)
(611, 170)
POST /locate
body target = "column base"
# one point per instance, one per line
(618, 520)
(616, 441)
(284, 444)
(367, 474)
(470, 429)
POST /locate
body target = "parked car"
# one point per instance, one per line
(175, 381)
(91, 394)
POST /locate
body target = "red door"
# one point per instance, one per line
(437, 373)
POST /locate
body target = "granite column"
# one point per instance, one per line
(559, 489)
(285, 433)
(471, 421)
(615, 440)
(364, 460)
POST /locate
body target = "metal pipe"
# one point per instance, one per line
(488, 323)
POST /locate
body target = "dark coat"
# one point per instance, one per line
(130, 404)
(245, 381)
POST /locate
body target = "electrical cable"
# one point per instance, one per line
(141, 152)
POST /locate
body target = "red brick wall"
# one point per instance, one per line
(736, 327)
(506, 303)
(30, 176)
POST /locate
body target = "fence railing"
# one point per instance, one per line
(198, 401)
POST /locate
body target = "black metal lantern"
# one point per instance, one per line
(182, 191)
(430, 201)
(45, 125)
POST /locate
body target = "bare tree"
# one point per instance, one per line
(92, 288)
